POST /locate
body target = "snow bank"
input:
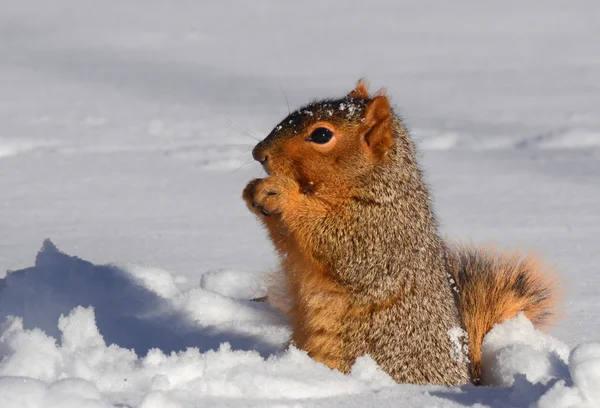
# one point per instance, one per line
(583, 389)
(132, 336)
(81, 370)
(233, 284)
(516, 348)
(138, 307)
(516, 354)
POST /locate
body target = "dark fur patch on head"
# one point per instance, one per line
(336, 111)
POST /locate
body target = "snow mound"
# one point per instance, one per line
(584, 368)
(82, 370)
(584, 364)
(518, 355)
(516, 348)
(133, 336)
(136, 307)
(233, 284)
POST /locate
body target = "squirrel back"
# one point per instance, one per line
(362, 261)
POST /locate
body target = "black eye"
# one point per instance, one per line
(320, 135)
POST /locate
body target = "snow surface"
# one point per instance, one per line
(125, 138)
(129, 336)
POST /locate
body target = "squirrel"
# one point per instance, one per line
(363, 268)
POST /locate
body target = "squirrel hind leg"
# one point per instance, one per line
(494, 286)
(278, 293)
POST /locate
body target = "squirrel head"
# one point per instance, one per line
(331, 143)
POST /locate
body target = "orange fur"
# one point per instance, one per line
(318, 303)
(316, 312)
(313, 302)
(361, 90)
(278, 292)
(494, 286)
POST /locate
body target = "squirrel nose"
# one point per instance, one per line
(259, 155)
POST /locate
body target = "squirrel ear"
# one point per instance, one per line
(378, 109)
(379, 135)
(361, 91)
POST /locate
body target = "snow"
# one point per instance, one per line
(125, 137)
(517, 348)
(459, 339)
(139, 307)
(130, 335)
(584, 363)
(584, 367)
(234, 284)
(110, 374)
(165, 354)
(15, 147)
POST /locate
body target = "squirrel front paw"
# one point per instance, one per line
(248, 195)
(269, 195)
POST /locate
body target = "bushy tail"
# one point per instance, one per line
(494, 286)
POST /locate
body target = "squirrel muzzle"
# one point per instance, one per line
(261, 154)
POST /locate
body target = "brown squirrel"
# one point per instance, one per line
(363, 268)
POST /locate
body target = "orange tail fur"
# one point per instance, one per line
(494, 286)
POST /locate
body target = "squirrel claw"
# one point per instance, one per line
(260, 208)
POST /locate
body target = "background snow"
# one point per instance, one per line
(116, 141)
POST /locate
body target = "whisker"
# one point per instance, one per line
(247, 162)
(242, 153)
(247, 146)
(246, 171)
(285, 96)
(242, 130)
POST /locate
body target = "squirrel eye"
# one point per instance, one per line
(320, 135)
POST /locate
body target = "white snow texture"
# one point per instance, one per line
(140, 341)
(125, 136)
